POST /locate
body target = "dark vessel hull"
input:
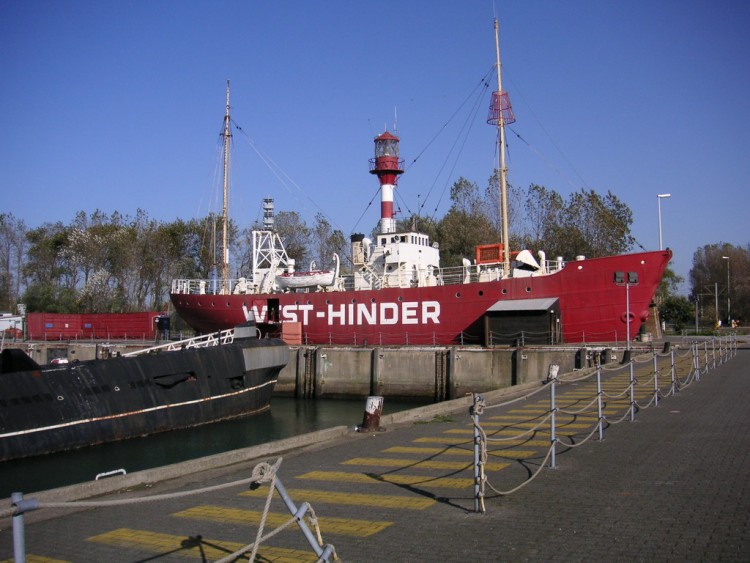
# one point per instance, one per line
(53, 408)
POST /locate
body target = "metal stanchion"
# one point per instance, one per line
(599, 401)
(553, 409)
(632, 391)
(656, 380)
(476, 409)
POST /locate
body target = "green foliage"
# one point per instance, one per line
(670, 283)
(49, 298)
(726, 281)
(678, 311)
(586, 224)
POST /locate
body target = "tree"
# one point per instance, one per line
(47, 270)
(491, 208)
(544, 212)
(325, 241)
(419, 224)
(465, 226)
(592, 226)
(295, 233)
(12, 257)
(712, 284)
(668, 286)
(678, 311)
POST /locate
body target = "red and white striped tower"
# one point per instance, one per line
(387, 166)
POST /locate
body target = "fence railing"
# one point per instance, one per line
(263, 473)
(626, 386)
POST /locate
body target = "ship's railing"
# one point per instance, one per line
(213, 339)
(456, 275)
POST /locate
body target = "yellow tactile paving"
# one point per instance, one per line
(564, 416)
(543, 431)
(193, 547)
(30, 558)
(515, 454)
(421, 464)
(333, 497)
(457, 441)
(502, 434)
(347, 477)
(527, 425)
(342, 526)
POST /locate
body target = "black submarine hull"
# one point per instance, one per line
(60, 407)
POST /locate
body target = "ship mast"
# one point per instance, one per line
(227, 134)
(501, 114)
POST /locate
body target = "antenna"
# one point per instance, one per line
(395, 119)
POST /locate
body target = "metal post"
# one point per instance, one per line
(656, 380)
(19, 541)
(659, 197)
(553, 410)
(627, 312)
(599, 401)
(716, 300)
(694, 352)
(632, 391)
(672, 371)
(729, 310)
(322, 553)
(478, 505)
(713, 352)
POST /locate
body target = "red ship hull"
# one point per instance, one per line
(593, 306)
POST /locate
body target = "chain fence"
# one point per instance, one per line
(608, 395)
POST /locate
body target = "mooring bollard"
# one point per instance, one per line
(371, 419)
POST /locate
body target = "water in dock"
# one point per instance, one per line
(287, 417)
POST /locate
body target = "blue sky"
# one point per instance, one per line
(118, 106)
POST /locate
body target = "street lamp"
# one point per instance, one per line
(626, 279)
(659, 197)
(729, 315)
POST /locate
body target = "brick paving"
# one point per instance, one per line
(671, 486)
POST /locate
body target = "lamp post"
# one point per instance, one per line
(729, 310)
(659, 197)
(626, 279)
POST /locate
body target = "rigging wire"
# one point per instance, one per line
(474, 96)
(284, 178)
(468, 125)
(607, 216)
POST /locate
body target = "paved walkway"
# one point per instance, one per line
(671, 486)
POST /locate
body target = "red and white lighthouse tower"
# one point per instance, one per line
(387, 166)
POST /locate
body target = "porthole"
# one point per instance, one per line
(117, 388)
(481, 293)
(372, 300)
(528, 290)
(400, 298)
(458, 294)
(60, 398)
(504, 291)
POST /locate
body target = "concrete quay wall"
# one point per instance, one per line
(429, 374)
(419, 373)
